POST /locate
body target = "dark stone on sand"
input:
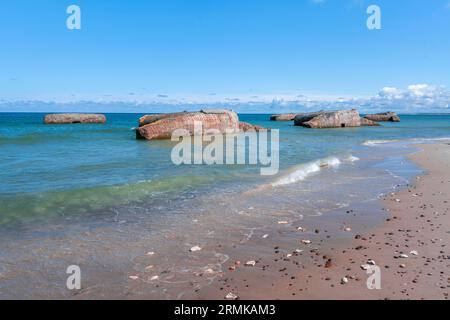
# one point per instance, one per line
(329, 263)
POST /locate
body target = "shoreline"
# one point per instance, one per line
(284, 267)
(409, 247)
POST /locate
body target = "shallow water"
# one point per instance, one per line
(95, 197)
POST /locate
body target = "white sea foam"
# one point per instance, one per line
(373, 143)
(305, 170)
(420, 140)
(352, 158)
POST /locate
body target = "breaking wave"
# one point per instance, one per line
(352, 158)
(373, 143)
(303, 171)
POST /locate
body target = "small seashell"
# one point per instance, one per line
(151, 253)
(251, 263)
(365, 267)
(133, 277)
(404, 256)
(347, 229)
(414, 253)
(344, 280)
(154, 278)
(298, 250)
(306, 241)
(402, 266)
(371, 262)
(300, 229)
(194, 249)
(288, 255)
(231, 296)
(265, 236)
(283, 222)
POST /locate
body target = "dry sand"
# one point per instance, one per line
(418, 222)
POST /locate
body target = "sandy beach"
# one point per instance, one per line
(409, 246)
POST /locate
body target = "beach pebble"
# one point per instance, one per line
(151, 253)
(265, 236)
(344, 280)
(231, 296)
(283, 222)
(251, 263)
(209, 271)
(365, 267)
(288, 255)
(154, 278)
(298, 250)
(402, 266)
(300, 229)
(148, 267)
(133, 277)
(414, 253)
(347, 229)
(371, 262)
(306, 241)
(397, 200)
(194, 249)
(404, 256)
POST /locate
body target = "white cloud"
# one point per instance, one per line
(415, 98)
(389, 92)
(421, 90)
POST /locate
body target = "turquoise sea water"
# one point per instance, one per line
(62, 170)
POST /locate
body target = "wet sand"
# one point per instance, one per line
(410, 247)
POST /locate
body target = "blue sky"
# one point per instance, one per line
(255, 52)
